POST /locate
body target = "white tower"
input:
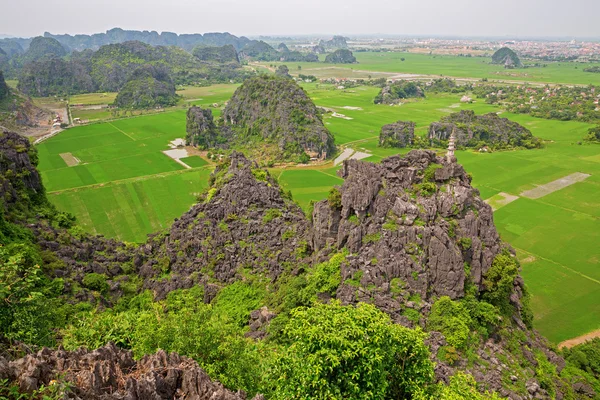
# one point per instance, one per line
(450, 154)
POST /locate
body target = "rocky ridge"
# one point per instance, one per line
(473, 130)
(410, 226)
(270, 112)
(398, 134)
(112, 373)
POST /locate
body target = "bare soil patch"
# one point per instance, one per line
(579, 340)
(500, 200)
(553, 186)
(69, 159)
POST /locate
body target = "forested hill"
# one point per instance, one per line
(111, 66)
(118, 35)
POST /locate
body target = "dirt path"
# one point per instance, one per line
(553, 186)
(579, 340)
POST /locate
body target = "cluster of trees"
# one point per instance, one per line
(563, 103)
(595, 69)
(399, 90)
(593, 134)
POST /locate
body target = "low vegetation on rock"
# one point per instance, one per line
(397, 91)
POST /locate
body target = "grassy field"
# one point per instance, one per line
(125, 187)
(390, 64)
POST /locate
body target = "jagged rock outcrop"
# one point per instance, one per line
(341, 56)
(3, 87)
(19, 178)
(148, 87)
(112, 373)
(244, 221)
(410, 225)
(337, 42)
(415, 220)
(398, 134)
(477, 130)
(272, 117)
(507, 57)
(201, 129)
(397, 91)
(223, 54)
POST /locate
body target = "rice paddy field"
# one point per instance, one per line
(389, 64)
(125, 187)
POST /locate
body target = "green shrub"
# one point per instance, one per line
(335, 198)
(499, 280)
(425, 189)
(94, 281)
(238, 300)
(452, 319)
(347, 352)
(270, 215)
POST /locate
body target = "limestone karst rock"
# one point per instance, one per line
(507, 57)
(341, 56)
(112, 373)
(272, 117)
(473, 130)
(398, 134)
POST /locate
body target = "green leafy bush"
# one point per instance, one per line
(335, 198)
(94, 281)
(499, 281)
(347, 352)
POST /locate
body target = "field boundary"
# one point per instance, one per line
(560, 265)
(127, 180)
(122, 131)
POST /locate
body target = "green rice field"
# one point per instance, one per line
(389, 64)
(124, 187)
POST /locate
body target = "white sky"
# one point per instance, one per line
(513, 18)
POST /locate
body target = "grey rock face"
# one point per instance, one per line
(406, 240)
(243, 225)
(112, 373)
(471, 129)
(201, 129)
(16, 156)
(398, 134)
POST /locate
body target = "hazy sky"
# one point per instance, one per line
(577, 18)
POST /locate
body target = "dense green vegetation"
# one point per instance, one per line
(3, 87)
(562, 103)
(109, 68)
(340, 56)
(223, 54)
(148, 87)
